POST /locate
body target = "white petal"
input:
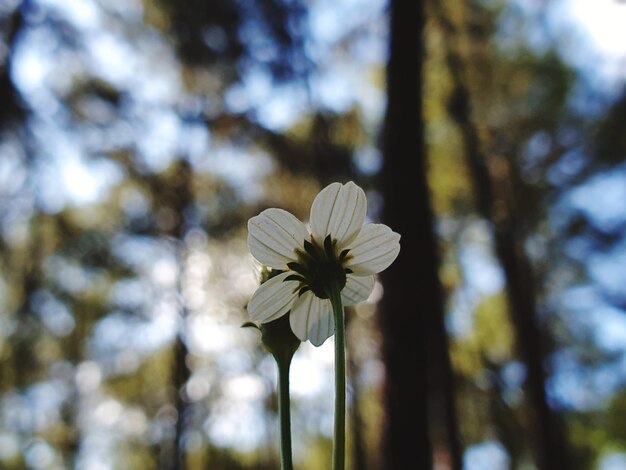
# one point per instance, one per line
(357, 289)
(273, 298)
(312, 318)
(338, 210)
(273, 237)
(376, 247)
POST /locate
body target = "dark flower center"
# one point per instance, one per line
(319, 269)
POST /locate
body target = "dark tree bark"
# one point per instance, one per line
(359, 457)
(11, 109)
(547, 434)
(178, 196)
(412, 306)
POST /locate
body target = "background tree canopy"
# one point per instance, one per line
(138, 137)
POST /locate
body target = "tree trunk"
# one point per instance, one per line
(357, 441)
(412, 306)
(180, 195)
(11, 111)
(549, 443)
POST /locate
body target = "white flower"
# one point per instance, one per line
(339, 251)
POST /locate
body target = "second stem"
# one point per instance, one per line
(284, 413)
(339, 446)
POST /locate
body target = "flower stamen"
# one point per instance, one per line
(319, 269)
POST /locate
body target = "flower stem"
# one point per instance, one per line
(339, 447)
(284, 412)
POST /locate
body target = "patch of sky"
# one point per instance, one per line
(158, 138)
(592, 40)
(481, 270)
(243, 168)
(608, 270)
(109, 426)
(131, 294)
(53, 313)
(97, 113)
(613, 461)
(254, 34)
(67, 177)
(522, 24)
(343, 81)
(460, 320)
(97, 449)
(145, 68)
(70, 179)
(141, 252)
(68, 275)
(368, 160)
(130, 10)
(534, 153)
(13, 174)
(283, 107)
(109, 56)
(194, 140)
(341, 87)
(15, 220)
(610, 328)
(38, 454)
(586, 313)
(568, 166)
(568, 386)
(512, 377)
(9, 445)
(32, 67)
(513, 374)
(601, 199)
(578, 386)
(311, 370)
(253, 89)
(330, 21)
(481, 273)
(348, 38)
(579, 248)
(602, 23)
(83, 14)
(16, 414)
(120, 341)
(487, 455)
(589, 36)
(44, 400)
(8, 6)
(7, 323)
(207, 335)
(236, 423)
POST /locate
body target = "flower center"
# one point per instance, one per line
(319, 269)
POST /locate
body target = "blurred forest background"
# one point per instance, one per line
(138, 136)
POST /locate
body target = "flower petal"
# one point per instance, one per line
(357, 289)
(273, 237)
(273, 298)
(338, 210)
(375, 248)
(312, 318)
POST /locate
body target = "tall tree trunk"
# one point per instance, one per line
(357, 441)
(12, 110)
(442, 396)
(412, 306)
(180, 195)
(549, 442)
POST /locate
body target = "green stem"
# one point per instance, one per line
(339, 447)
(284, 412)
